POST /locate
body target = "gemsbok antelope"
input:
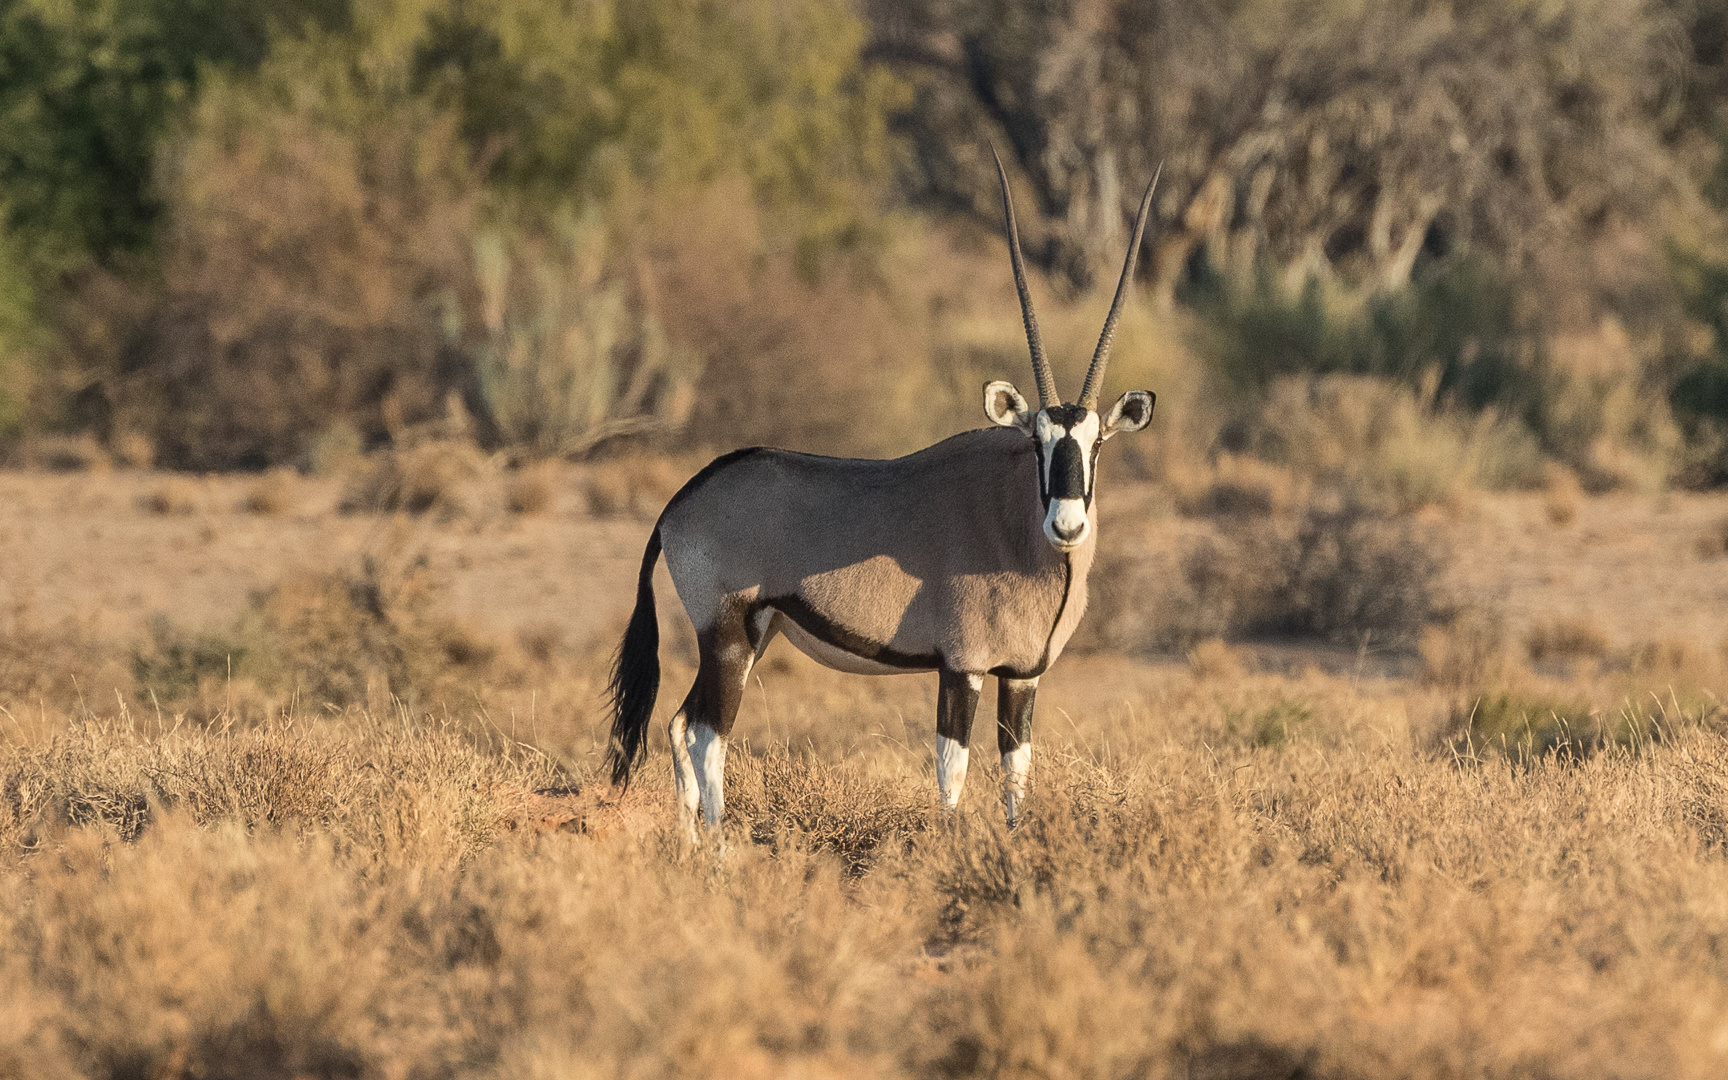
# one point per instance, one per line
(968, 558)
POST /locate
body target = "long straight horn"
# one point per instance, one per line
(1047, 395)
(1095, 374)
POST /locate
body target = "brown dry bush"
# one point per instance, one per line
(275, 493)
(1214, 659)
(346, 898)
(361, 636)
(307, 250)
(1344, 572)
(531, 489)
(775, 793)
(1467, 651)
(1562, 494)
(634, 486)
(1566, 637)
(1238, 485)
(1713, 543)
(173, 496)
(445, 478)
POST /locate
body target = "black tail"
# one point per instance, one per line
(636, 675)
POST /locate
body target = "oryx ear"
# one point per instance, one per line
(1006, 408)
(1131, 412)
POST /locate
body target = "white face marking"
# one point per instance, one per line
(951, 755)
(708, 755)
(1016, 778)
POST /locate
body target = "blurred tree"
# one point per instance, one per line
(86, 89)
(571, 102)
(1341, 138)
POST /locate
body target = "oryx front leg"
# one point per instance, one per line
(956, 701)
(1014, 738)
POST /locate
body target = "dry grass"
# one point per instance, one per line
(530, 489)
(275, 493)
(635, 487)
(1562, 492)
(445, 478)
(1257, 881)
(372, 847)
(171, 496)
(1567, 637)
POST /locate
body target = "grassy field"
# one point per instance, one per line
(287, 791)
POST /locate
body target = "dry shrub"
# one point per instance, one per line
(1344, 572)
(441, 477)
(1378, 442)
(60, 453)
(1467, 651)
(1561, 494)
(1568, 637)
(828, 809)
(633, 487)
(1237, 485)
(132, 450)
(275, 493)
(1713, 542)
(173, 496)
(311, 240)
(530, 489)
(322, 639)
(1214, 659)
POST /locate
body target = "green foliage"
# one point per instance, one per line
(86, 89)
(1454, 331)
(578, 102)
(1528, 726)
(569, 354)
(1700, 388)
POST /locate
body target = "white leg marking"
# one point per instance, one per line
(708, 754)
(976, 682)
(951, 755)
(1016, 778)
(683, 774)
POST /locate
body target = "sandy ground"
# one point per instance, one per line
(93, 548)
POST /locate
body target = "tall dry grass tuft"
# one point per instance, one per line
(355, 895)
(1340, 571)
(364, 635)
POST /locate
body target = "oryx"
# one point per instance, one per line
(968, 558)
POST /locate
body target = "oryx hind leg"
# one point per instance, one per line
(956, 702)
(726, 652)
(1014, 699)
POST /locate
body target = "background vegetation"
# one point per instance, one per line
(239, 235)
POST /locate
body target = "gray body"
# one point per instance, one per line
(861, 586)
